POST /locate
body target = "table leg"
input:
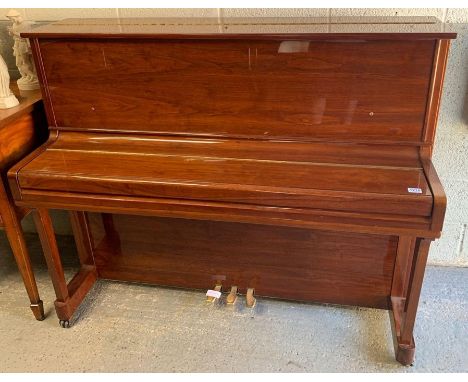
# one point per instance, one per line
(15, 236)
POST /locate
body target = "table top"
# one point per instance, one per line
(314, 27)
(27, 100)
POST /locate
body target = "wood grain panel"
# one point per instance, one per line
(271, 182)
(371, 90)
(277, 150)
(243, 154)
(29, 103)
(341, 221)
(16, 139)
(21, 129)
(281, 262)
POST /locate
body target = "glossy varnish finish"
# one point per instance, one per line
(297, 162)
(164, 88)
(188, 169)
(299, 264)
(22, 128)
(235, 28)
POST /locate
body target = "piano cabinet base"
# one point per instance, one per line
(289, 263)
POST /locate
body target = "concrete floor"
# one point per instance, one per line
(129, 327)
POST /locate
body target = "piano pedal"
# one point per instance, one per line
(250, 300)
(214, 294)
(232, 296)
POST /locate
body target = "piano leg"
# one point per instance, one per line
(112, 236)
(15, 236)
(109, 226)
(81, 232)
(69, 296)
(406, 289)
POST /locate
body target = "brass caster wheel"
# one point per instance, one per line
(64, 323)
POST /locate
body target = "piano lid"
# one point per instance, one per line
(262, 27)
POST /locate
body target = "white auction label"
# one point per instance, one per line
(415, 190)
(213, 293)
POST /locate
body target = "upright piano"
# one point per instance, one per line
(286, 158)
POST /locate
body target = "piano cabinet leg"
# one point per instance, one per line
(15, 237)
(69, 296)
(83, 241)
(112, 236)
(406, 288)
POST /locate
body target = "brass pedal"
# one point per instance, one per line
(250, 300)
(210, 296)
(232, 296)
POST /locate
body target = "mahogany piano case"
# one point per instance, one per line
(289, 156)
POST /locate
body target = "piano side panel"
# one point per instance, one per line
(289, 263)
(342, 90)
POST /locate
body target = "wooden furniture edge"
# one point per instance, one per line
(69, 295)
(12, 174)
(440, 199)
(13, 230)
(173, 208)
(435, 92)
(36, 51)
(407, 282)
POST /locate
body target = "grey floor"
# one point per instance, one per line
(129, 327)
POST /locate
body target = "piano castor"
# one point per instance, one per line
(64, 323)
(289, 157)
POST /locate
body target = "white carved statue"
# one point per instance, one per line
(22, 52)
(7, 98)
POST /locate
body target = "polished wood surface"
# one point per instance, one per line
(281, 262)
(19, 127)
(289, 158)
(342, 28)
(232, 89)
(404, 306)
(28, 103)
(14, 141)
(22, 129)
(69, 295)
(165, 171)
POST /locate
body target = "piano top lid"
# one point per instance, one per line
(257, 27)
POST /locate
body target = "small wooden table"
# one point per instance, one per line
(22, 129)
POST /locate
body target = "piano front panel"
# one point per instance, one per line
(304, 90)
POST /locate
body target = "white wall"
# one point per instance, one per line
(451, 149)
